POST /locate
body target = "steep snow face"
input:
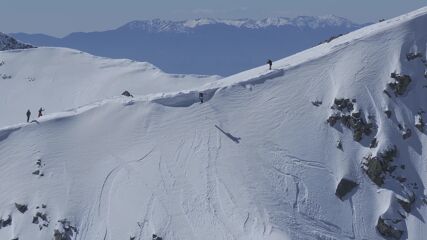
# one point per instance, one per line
(256, 160)
(8, 43)
(59, 79)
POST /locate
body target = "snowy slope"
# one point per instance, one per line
(59, 79)
(256, 161)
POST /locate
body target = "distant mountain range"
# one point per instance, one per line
(158, 25)
(203, 46)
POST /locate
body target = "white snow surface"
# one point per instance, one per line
(255, 161)
(58, 79)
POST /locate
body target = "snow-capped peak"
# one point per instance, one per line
(301, 21)
(158, 25)
(155, 25)
(8, 43)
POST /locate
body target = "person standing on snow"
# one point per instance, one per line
(201, 97)
(270, 63)
(28, 115)
(41, 112)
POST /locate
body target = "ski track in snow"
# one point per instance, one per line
(108, 183)
(113, 172)
(302, 220)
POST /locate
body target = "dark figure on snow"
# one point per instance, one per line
(155, 237)
(270, 63)
(41, 112)
(201, 97)
(28, 115)
(127, 94)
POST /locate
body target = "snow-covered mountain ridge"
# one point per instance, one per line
(58, 79)
(9, 43)
(262, 158)
(158, 25)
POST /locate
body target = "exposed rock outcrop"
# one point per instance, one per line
(344, 187)
(347, 116)
(9, 43)
(22, 208)
(386, 229)
(376, 167)
(401, 83)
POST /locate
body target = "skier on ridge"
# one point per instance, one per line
(41, 112)
(270, 63)
(28, 115)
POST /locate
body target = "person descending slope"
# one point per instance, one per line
(270, 63)
(41, 112)
(28, 115)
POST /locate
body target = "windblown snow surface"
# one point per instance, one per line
(256, 161)
(58, 79)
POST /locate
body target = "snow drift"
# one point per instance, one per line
(260, 159)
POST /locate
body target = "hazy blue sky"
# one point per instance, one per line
(60, 17)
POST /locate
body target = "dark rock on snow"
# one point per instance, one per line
(401, 83)
(387, 230)
(6, 222)
(376, 167)
(344, 187)
(127, 94)
(21, 207)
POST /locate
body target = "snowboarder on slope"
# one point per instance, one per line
(28, 115)
(201, 97)
(270, 63)
(41, 112)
